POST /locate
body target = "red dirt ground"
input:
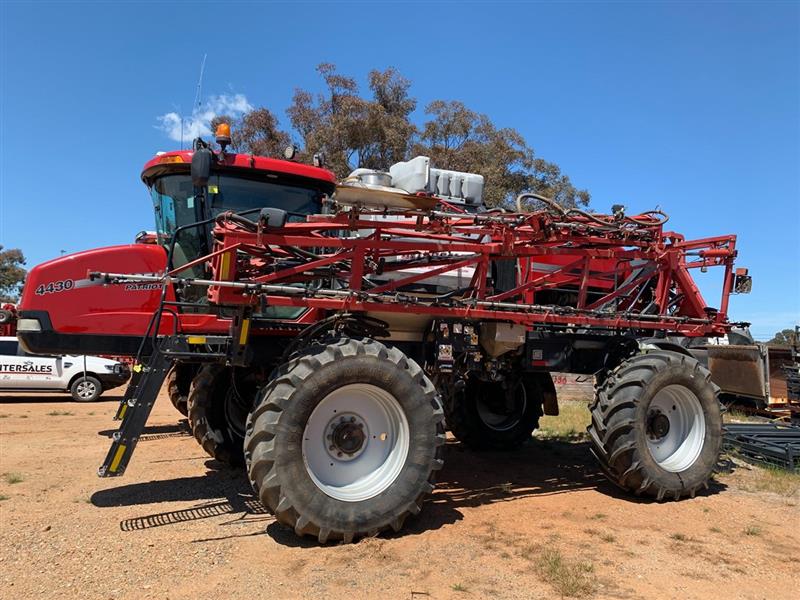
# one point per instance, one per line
(178, 525)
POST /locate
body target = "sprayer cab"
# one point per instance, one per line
(64, 310)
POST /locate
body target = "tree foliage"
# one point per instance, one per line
(12, 274)
(785, 337)
(376, 130)
(353, 131)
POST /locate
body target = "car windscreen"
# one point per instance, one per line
(8, 347)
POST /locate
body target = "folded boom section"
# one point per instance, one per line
(537, 269)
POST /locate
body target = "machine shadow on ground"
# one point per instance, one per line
(469, 479)
(157, 432)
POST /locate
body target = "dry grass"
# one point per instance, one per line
(604, 536)
(459, 587)
(574, 579)
(569, 425)
(679, 537)
(60, 413)
(772, 479)
(737, 416)
(14, 478)
(752, 530)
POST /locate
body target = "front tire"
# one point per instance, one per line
(179, 383)
(86, 389)
(345, 440)
(211, 407)
(657, 425)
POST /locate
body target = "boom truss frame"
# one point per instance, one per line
(622, 272)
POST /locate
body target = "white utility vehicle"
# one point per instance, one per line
(85, 377)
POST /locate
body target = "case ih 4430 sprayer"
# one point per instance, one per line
(327, 334)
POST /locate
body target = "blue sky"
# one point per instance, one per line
(692, 107)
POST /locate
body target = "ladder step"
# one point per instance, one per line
(140, 397)
(130, 391)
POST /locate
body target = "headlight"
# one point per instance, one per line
(110, 367)
(28, 325)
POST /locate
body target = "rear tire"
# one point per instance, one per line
(657, 425)
(86, 389)
(210, 391)
(345, 440)
(485, 417)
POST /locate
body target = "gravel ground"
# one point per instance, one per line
(537, 523)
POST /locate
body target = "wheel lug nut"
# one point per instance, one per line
(338, 454)
(352, 419)
(331, 447)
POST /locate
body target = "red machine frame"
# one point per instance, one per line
(591, 254)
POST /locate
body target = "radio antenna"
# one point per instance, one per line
(199, 94)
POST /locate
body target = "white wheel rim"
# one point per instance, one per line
(86, 389)
(503, 421)
(676, 428)
(356, 442)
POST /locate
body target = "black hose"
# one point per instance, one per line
(549, 202)
(657, 218)
(353, 325)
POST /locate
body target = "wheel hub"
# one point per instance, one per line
(346, 438)
(355, 442)
(657, 425)
(675, 428)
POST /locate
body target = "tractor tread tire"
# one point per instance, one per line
(466, 426)
(280, 493)
(207, 426)
(620, 445)
(178, 395)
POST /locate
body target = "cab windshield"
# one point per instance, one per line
(175, 205)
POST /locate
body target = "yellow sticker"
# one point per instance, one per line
(245, 330)
(212, 189)
(117, 458)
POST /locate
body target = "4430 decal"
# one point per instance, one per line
(54, 287)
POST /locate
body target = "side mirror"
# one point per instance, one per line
(272, 217)
(201, 166)
(742, 282)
